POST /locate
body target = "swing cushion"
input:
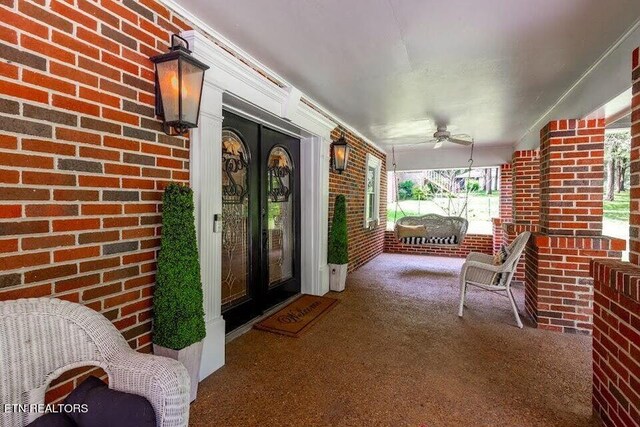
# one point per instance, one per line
(407, 231)
(451, 240)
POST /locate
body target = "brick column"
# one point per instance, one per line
(506, 206)
(526, 187)
(525, 205)
(571, 177)
(634, 220)
(506, 192)
(616, 343)
(559, 287)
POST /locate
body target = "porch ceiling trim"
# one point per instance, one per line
(232, 59)
(607, 78)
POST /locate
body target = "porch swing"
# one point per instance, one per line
(431, 229)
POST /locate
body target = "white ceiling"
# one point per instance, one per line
(393, 68)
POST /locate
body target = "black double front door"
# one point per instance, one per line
(260, 219)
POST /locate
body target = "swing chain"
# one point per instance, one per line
(465, 208)
(397, 185)
(466, 201)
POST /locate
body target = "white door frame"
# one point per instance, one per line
(229, 75)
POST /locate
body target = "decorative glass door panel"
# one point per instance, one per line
(235, 213)
(279, 216)
(260, 219)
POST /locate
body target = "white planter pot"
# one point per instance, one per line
(189, 357)
(337, 276)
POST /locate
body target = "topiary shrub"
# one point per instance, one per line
(338, 246)
(178, 313)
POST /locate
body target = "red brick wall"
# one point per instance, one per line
(525, 200)
(497, 234)
(472, 243)
(525, 172)
(506, 192)
(616, 343)
(83, 161)
(559, 286)
(506, 206)
(364, 244)
(571, 177)
(509, 232)
(634, 220)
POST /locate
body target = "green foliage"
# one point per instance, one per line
(178, 319)
(338, 245)
(422, 193)
(473, 185)
(405, 190)
(617, 146)
(619, 209)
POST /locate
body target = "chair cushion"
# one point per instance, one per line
(498, 259)
(53, 420)
(107, 407)
(405, 231)
(501, 256)
(451, 240)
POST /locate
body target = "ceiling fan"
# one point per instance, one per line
(442, 135)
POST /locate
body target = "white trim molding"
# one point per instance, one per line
(206, 180)
(374, 163)
(276, 106)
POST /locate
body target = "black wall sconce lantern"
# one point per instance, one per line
(340, 154)
(179, 80)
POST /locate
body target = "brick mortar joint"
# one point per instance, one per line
(620, 276)
(540, 238)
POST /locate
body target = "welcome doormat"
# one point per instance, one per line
(298, 316)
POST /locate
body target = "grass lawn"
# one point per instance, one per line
(618, 210)
(483, 207)
(616, 218)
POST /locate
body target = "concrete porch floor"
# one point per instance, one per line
(394, 353)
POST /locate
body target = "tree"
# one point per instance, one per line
(421, 193)
(617, 147)
(339, 233)
(178, 313)
(405, 192)
(488, 180)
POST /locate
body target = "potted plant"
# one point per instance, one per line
(178, 313)
(338, 256)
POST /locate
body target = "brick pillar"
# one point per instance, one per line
(526, 187)
(559, 287)
(634, 220)
(616, 334)
(525, 205)
(571, 177)
(506, 206)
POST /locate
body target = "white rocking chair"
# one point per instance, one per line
(479, 270)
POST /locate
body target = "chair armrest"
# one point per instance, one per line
(164, 382)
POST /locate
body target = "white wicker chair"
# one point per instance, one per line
(40, 338)
(479, 270)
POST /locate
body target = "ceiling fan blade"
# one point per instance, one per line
(460, 141)
(438, 145)
(412, 144)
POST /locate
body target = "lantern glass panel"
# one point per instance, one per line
(341, 156)
(168, 80)
(191, 91)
